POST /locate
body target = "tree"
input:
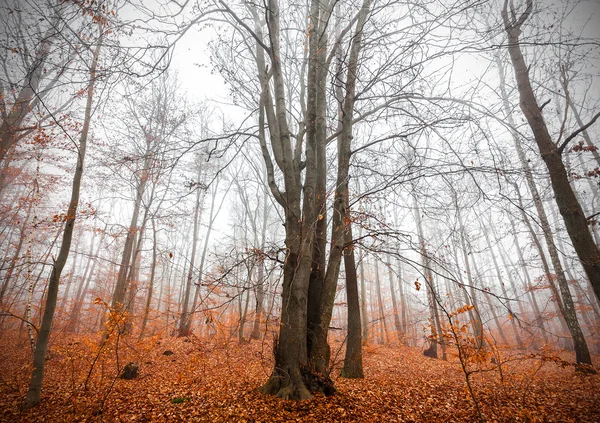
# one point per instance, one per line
(551, 152)
(39, 356)
(570, 209)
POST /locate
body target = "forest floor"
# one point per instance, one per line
(216, 381)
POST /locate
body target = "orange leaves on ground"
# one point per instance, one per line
(215, 380)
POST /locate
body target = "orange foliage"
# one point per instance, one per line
(215, 380)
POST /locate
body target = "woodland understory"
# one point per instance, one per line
(216, 380)
(358, 210)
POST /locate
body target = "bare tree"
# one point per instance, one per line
(570, 209)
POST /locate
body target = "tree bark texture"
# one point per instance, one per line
(569, 207)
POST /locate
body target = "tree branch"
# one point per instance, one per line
(580, 130)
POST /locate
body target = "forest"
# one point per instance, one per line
(353, 211)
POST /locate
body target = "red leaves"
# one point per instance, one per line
(215, 380)
(580, 146)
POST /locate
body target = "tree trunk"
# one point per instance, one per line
(528, 287)
(353, 367)
(503, 287)
(570, 209)
(397, 324)
(319, 350)
(9, 273)
(363, 297)
(152, 277)
(432, 298)
(118, 300)
(39, 357)
(260, 282)
(403, 304)
(85, 284)
(10, 126)
(185, 314)
(474, 313)
(488, 300)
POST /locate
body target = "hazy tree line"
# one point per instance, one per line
(384, 172)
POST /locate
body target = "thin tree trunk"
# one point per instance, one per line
(380, 308)
(185, 314)
(353, 367)
(488, 300)
(403, 304)
(432, 299)
(39, 357)
(70, 282)
(503, 287)
(9, 273)
(152, 277)
(260, 290)
(397, 324)
(528, 286)
(363, 296)
(85, 284)
(211, 220)
(475, 312)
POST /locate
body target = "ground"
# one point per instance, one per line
(216, 381)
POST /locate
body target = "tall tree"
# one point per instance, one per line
(573, 215)
(551, 152)
(39, 357)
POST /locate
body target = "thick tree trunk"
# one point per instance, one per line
(286, 380)
(319, 349)
(570, 209)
